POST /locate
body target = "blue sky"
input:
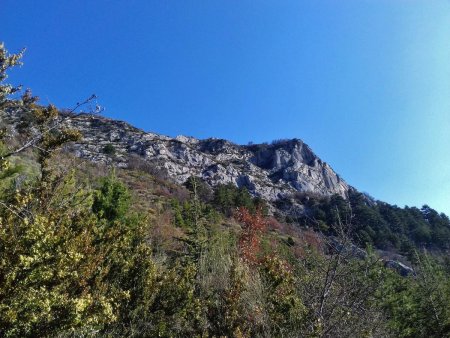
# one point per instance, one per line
(366, 83)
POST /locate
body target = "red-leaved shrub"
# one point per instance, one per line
(254, 225)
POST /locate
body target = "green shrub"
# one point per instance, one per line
(109, 149)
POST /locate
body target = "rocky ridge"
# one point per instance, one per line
(271, 171)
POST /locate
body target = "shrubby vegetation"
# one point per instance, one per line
(228, 197)
(82, 259)
(109, 149)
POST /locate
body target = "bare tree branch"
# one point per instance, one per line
(34, 140)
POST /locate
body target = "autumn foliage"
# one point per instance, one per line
(254, 225)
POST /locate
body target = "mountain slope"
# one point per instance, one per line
(298, 186)
(269, 171)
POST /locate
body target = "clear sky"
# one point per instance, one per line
(366, 83)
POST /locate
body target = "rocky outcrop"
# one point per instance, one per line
(270, 171)
(401, 268)
(267, 170)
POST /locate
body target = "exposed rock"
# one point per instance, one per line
(401, 268)
(270, 171)
(346, 248)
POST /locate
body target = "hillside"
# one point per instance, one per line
(108, 231)
(269, 171)
(296, 185)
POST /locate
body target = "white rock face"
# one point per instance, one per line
(269, 171)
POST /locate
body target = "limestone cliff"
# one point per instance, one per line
(267, 170)
(270, 171)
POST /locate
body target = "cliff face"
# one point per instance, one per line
(270, 171)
